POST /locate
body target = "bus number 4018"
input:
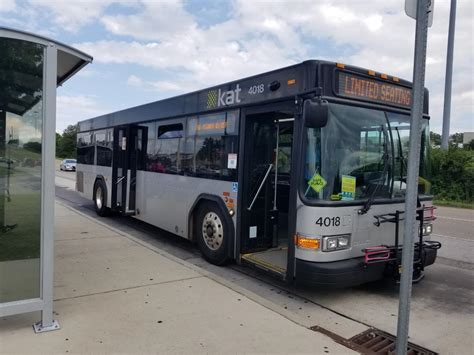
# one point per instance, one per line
(329, 221)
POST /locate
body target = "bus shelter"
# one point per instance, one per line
(31, 68)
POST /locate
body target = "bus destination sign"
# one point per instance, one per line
(358, 87)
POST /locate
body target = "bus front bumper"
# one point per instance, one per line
(346, 273)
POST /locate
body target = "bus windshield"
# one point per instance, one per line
(359, 153)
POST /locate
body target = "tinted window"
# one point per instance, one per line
(85, 148)
(211, 141)
(170, 131)
(104, 144)
(167, 147)
(150, 145)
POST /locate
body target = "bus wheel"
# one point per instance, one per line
(100, 198)
(212, 234)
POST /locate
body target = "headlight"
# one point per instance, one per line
(427, 229)
(336, 242)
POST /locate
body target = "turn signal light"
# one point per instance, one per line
(306, 243)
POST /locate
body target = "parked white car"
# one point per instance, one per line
(68, 165)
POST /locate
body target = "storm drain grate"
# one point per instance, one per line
(374, 341)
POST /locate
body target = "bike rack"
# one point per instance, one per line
(392, 253)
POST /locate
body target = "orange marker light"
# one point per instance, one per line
(340, 65)
(291, 82)
(396, 79)
(384, 76)
(306, 243)
(371, 72)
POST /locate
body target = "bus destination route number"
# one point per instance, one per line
(357, 87)
(328, 221)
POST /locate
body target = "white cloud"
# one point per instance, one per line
(71, 109)
(156, 21)
(7, 5)
(72, 15)
(258, 37)
(134, 80)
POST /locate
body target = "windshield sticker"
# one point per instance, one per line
(317, 182)
(348, 187)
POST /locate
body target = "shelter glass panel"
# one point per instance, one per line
(21, 124)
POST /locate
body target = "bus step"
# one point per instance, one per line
(263, 261)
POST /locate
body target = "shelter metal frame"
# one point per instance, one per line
(51, 79)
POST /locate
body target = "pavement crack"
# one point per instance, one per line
(128, 288)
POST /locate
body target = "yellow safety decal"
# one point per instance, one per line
(317, 182)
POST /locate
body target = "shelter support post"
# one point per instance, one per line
(48, 191)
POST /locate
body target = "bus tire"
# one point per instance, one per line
(100, 198)
(212, 233)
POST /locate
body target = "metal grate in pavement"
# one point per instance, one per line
(374, 341)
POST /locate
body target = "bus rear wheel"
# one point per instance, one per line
(100, 198)
(212, 233)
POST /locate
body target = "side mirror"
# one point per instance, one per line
(315, 113)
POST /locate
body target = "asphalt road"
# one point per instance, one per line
(442, 305)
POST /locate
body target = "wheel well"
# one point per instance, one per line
(217, 201)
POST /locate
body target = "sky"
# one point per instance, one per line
(147, 50)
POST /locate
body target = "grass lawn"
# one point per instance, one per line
(457, 204)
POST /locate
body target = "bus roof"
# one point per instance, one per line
(276, 85)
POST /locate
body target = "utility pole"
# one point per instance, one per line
(423, 8)
(449, 77)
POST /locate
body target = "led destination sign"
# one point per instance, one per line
(357, 87)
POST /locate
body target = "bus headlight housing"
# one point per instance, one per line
(427, 229)
(336, 242)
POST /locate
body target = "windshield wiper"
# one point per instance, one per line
(385, 159)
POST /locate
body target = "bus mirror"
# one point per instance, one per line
(315, 113)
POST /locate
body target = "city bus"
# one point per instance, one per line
(299, 172)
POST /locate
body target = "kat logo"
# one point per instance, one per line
(212, 99)
(219, 98)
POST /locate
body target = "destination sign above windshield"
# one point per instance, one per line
(359, 87)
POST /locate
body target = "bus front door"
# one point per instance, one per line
(127, 158)
(265, 196)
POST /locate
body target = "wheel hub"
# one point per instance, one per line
(98, 197)
(212, 231)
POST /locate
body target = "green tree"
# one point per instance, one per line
(66, 147)
(435, 138)
(58, 141)
(456, 138)
(33, 147)
(453, 174)
(470, 145)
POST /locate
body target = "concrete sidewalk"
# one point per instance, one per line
(114, 294)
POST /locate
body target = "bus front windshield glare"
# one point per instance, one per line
(361, 153)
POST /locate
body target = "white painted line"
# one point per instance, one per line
(451, 237)
(456, 219)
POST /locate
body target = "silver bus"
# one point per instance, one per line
(299, 172)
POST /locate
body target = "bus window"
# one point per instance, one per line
(85, 148)
(210, 139)
(166, 157)
(104, 148)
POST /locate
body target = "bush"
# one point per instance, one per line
(453, 174)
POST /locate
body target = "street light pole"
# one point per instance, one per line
(449, 77)
(423, 7)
